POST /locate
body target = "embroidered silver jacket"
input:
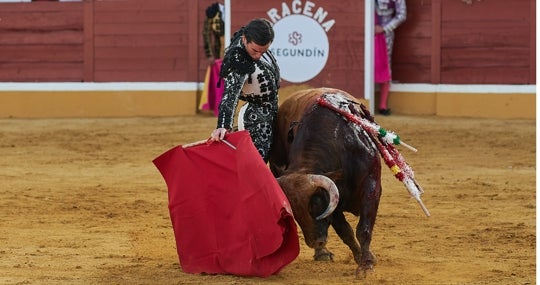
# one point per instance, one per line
(256, 83)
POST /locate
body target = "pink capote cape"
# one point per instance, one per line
(212, 93)
(228, 213)
(382, 67)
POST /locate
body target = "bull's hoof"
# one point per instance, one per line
(372, 258)
(362, 271)
(323, 255)
(366, 266)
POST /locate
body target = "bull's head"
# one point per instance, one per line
(309, 204)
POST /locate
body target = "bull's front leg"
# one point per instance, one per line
(321, 252)
(345, 232)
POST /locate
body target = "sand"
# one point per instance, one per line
(82, 203)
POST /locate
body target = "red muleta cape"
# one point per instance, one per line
(228, 213)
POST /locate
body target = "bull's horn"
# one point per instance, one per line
(329, 185)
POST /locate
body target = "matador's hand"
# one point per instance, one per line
(218, 134)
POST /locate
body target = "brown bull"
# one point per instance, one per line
(316, 154)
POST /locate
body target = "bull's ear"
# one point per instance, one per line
(335, 175)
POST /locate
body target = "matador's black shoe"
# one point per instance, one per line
(385, 112)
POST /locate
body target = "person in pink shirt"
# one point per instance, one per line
(389, 14)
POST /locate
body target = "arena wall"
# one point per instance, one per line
(59, 100)
(63, 100)
(146, 58)
(482, 101)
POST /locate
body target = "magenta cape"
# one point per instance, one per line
(228, 213)
(382, 67)
(212, 91)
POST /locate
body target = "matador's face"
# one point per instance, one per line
(254, 50)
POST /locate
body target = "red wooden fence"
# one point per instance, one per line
(442, 41)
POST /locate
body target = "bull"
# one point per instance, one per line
(326, 166)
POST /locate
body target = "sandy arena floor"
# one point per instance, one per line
(82, 203)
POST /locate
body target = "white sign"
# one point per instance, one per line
(300, 45)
